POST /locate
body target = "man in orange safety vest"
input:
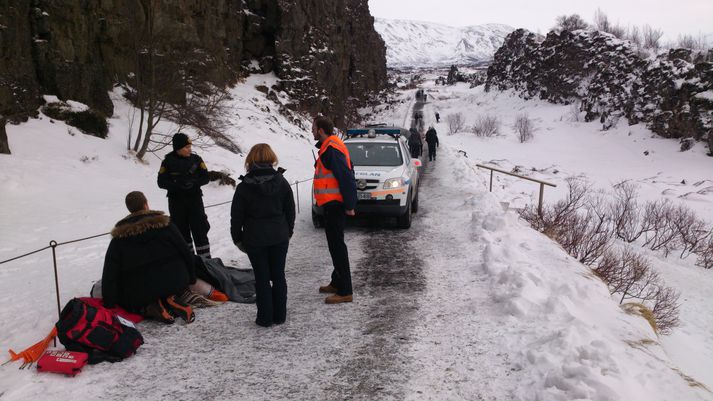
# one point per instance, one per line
(335, 191)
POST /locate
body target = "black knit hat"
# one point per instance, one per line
(180, 140)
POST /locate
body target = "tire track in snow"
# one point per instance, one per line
(391, 276)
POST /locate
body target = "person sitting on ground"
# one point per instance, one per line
(147, 264)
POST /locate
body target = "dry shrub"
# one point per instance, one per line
(486, 126)
(524, 128)
(662, 233)
(651, 37)
(456, 122)
(627, 274)
(555, 217)
(587, 235)
(586, 226)
(630, 275)
(626, 212)
(705, 253)
(664, 227)
(666, 309)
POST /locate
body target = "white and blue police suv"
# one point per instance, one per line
(387, 177)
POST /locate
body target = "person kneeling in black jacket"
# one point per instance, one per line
(147, 264)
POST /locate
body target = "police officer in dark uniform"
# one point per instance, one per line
(182, 174)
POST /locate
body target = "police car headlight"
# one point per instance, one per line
(393, 183)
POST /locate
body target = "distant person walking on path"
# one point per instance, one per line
(262, 220)
(147, 264)
(432, 140)
(438, 117)
(415, 144)
(334, 191)
(183, 173)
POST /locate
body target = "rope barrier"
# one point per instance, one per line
(22, 256)
(79, 239)
(56, 244)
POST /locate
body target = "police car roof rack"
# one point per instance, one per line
(372, 133)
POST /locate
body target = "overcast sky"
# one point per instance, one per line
(674, 17)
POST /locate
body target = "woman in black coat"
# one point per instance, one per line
(262, 220)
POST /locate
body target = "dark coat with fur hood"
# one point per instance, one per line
(147, 259)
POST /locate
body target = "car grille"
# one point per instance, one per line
(365, 185)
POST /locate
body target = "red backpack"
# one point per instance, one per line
(97, 331)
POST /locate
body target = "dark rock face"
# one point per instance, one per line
(19, 89)
(610, 79)
(329, 55)
(669, 96)
(326, 53)
(4, 145)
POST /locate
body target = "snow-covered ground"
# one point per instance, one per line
(563, 148)
(470, 303)
(417, 43)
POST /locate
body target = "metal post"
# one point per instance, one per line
(542, 191)
(491, 180)
(297, 190)
(53, 244)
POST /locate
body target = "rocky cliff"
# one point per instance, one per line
(670, 93)
(325, 53)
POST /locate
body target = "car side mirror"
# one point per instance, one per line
(416, 162)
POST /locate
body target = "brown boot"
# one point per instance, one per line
(328, 289)
(338, 299)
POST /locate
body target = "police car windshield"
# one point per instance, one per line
(374, 154)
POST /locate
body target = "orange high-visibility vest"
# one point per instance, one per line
(326, 186)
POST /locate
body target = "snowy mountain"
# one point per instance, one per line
(415, 43)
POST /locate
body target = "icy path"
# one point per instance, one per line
(412, 331)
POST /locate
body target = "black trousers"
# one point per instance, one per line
(188, 214)
(334, 221)
(270, 285)
(431, 152)
(415, 151)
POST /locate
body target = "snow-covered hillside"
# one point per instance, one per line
(415, 43)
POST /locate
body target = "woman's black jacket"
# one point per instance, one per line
(263, 210)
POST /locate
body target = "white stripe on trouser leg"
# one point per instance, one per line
(203, 250)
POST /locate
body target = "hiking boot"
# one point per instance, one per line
(328, 289)
(338, 299)
(156, 311)
(180, 309)
(196, 300)
(218, 296)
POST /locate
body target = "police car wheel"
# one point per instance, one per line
(404, 221)
(414, 204)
